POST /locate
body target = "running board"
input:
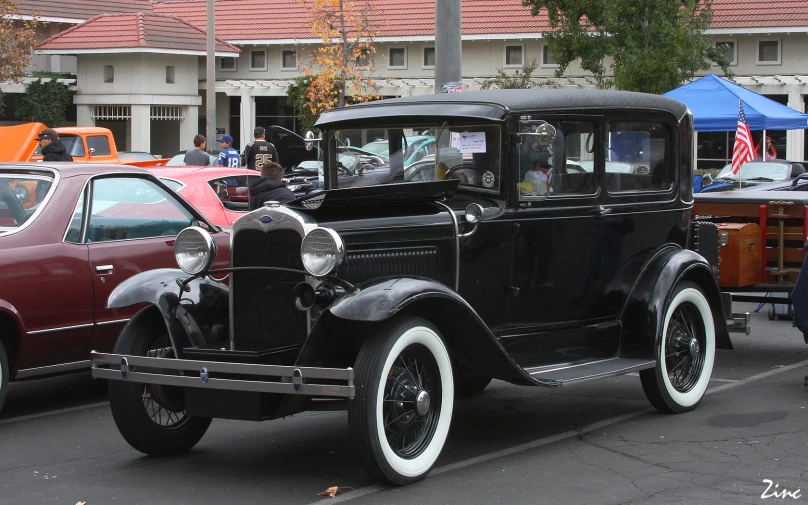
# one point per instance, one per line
(561, 375)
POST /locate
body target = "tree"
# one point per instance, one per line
(655, 45)
(298, 95)
(46, 100)
(519, 80)
(17, 42)
(342, 64)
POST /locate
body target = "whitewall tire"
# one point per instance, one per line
(400, 416)
(685, 353)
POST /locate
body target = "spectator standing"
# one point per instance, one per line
(228, 157)
(197, 156)
(771, 152)
(269, 187)
(52, 147)
(260, 152)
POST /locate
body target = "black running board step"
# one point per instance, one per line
(559, 375)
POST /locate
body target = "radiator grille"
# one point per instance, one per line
(365, 265)
(264, 313)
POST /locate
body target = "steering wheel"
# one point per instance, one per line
(14, 207)
(342, 169)
(462, 166)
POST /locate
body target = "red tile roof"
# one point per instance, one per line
(133, 32)
(80, 9)
(730, 14)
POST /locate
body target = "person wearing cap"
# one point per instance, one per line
(197, 156)
(260, 152)
(228, 157)
(52, 148)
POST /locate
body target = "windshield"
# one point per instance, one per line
(20, 199)
(468, 153)
(73, 144)
(757, 170)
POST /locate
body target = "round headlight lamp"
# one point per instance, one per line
(322, 251)
(195, 250)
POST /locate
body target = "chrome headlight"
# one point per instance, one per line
(195, 250)
(322, 251)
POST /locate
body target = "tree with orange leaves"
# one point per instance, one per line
(343, 64)
(17, 42)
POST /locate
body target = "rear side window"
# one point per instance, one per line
(638, 157)
(99, 145)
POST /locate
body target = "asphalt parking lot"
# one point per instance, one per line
(594, 443)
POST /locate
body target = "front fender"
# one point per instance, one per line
(196, 317)
(643, 314)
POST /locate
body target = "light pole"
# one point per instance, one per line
(210, 77)
(448, 46)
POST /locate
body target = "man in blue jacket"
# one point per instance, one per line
(269, 187)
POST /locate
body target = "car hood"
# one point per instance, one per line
(19, 141)
(376, 195)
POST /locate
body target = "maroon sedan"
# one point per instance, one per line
(70, 233)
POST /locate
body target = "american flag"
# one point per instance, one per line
(743, 150)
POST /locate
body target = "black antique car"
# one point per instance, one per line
(519, 255)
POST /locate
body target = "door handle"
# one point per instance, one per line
(600, 210)
(103, 269)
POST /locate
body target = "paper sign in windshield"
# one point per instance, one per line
(468, 142)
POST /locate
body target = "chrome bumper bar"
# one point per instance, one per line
(202, 374)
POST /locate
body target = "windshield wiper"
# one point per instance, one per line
(725, 178)
(759, 179)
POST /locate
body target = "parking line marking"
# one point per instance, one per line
(375, 488)
(52, 412)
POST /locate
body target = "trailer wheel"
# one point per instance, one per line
(400, 416)
(150, 417)
(685, 353)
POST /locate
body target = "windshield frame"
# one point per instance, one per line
(54, 177)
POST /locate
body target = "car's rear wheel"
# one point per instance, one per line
(685, 353)
(4, 375)
(400, 416)
(151, 417)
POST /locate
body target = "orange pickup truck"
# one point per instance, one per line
(85, 144)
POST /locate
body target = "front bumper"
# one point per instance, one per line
(203, 374)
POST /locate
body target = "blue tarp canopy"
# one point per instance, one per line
(713, 101)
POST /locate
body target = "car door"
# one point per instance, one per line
(559, 256)
(131, 227)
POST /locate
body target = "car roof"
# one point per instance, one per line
(496, 104)
(71, 169)
(186, 173)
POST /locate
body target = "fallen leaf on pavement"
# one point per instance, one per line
(81, 503)
(334, 491)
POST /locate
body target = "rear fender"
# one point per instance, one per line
(11, 337)
(197, 317)
(643, 313)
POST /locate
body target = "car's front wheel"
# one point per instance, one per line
(150, 417)
(685, 353)
(400, 416)
(4, 375)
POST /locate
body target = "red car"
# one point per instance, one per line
(69, 234)
(220, 193)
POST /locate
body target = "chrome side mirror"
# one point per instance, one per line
(474, 216)
(311, 138)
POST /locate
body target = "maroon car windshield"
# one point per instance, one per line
(20, 198)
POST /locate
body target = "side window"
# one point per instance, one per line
(99, 145)
(233, 191)
(124, 208)
(555, 159)
(74, 230)
(637, 158)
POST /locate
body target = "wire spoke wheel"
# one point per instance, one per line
(685, 348)
(160, 408)
(411, 401)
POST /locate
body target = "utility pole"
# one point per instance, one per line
(210, 85)
(448, 46)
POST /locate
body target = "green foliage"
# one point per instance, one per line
(47, 102)
(520, 79)
(654, 45)
(298, 95)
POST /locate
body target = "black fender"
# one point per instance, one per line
(643, 313)
(195, 317)
(471, 343)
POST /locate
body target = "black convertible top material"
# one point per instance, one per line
(496, 104)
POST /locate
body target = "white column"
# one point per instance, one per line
(247, 119)
(84, 115)
(189, 127)
(795, 139)
(141, 128)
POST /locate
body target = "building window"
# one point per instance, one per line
(258, 60)
(397, 58)
(170, 75)
(514, 56)
(109, 73)
(365, 58)
(729, 48)
(289, 60)
(227, 64)
(547, 58)
(429, 57)
(768, 52)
